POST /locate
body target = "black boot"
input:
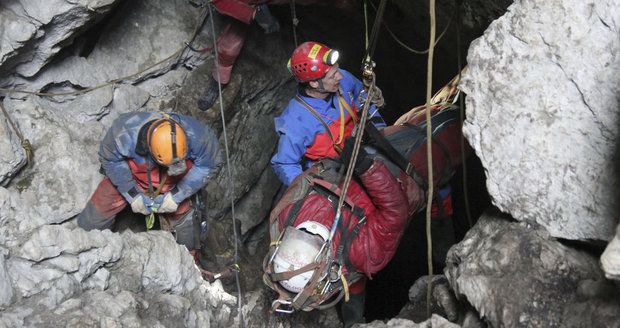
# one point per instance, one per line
(208, 98)
(353, 311)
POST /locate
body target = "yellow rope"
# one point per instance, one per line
(429, 156)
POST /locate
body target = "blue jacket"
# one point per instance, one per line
(119, 145)
(297, 127)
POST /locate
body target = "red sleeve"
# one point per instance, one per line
(236, 9)
(379, 237)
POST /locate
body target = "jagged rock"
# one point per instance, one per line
(14, 156)
(434, 321)
(34, 32)
(255, 205)
(64, 172)
(542, 112)
(516, 274)
(145, 279)
(610, 260)
(6, 289)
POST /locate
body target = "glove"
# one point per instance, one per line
(265, 20)
(165, 203)
(363, 162)
(141, 204)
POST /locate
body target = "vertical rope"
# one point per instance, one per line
(230, 181)
(295, 21)
(429, 156)
(367, 59)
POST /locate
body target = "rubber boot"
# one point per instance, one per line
(210, 96)
(353, 311)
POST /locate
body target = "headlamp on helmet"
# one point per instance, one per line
(311, 60)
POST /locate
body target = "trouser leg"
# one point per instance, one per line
(229, 45)
(353, 311)
(100, 211)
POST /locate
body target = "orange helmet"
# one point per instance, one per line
(167, 141)
(311, 60)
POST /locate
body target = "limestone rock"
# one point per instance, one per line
(516, 274)
(610, 260)
(14, 156)
(33, 32)
(542, 112)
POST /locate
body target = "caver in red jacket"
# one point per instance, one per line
(379, 203)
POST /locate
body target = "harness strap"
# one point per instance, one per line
(290, 274)
(292, 214)
(333, 188)
(315, 114)
(395, 156)
(300, 300)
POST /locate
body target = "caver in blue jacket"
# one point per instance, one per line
(131, 172)
(119, 146)
(304, 138)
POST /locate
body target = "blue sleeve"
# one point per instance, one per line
(354, 87)
(204, 150)
(113, 156)
(292, 145)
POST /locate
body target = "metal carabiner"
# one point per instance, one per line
(275, 305)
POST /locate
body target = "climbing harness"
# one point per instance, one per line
(25, 143)
(328, 282)
(342, 105)
(231, 188)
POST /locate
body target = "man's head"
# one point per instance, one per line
(167, 144)
(316, 65)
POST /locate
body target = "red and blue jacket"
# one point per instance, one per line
(304, 137)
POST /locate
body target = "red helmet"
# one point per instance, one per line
(311, 60)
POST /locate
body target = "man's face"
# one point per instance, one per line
(331, 81)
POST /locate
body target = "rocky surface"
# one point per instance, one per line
(517, 274)
(542, 114)
(34, 32)
(541, 94)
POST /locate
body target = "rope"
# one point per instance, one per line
(366, 27)
(462, 115)
(351, 164)
(376, 26)
(294, 20)
(231, 185)
(402, 44)
(25, 143)
(429, 157)
(118, 80)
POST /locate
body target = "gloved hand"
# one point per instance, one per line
(265, 20)
(141, 204)
(363, 162)
(165, 203)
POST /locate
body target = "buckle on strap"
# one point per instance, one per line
(277, 306)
